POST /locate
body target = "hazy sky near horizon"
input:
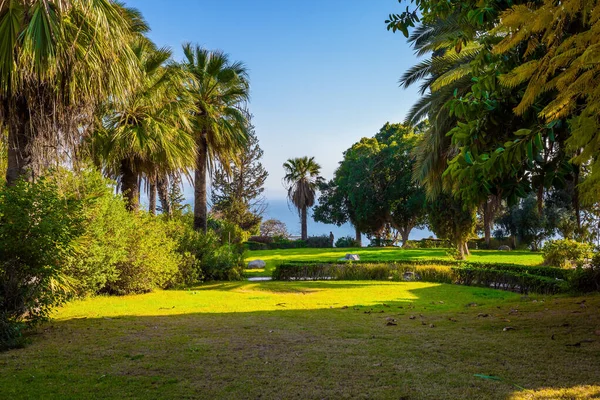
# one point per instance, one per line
(323, 73)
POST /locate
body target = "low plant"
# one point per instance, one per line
(566, 253)
(347, 241)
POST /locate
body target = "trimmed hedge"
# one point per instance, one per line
(524, 279)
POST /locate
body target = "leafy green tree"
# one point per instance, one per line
(448, 219)
(148, 134)
(58, 61)
(238, 195)
(302, 181)
(220, 124)
(373, 188)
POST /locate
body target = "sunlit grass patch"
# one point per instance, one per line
(273, 257)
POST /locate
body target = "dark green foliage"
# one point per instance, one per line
(450, 219)
(373, 189)
(250, 245)
(38, 226)
(205, 256)
(508, 280)
(512, 277)
(279, 242)
(319, 242)
(346, 241)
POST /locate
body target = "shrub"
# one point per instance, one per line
(347, 241)
(262, 239)
(107, 223)
(204, 257)
(508, 280)
(319, 242)
(37, 228)
(151, 261)
(566, 253)
(256, 246)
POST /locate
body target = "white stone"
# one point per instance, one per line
(352, 257)
(256, 264)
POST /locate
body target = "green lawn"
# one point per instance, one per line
(272, 257)
(312, 340)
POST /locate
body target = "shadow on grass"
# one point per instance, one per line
(320, 353)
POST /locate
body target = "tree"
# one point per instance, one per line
(238, 195)
(301, 181)
(221, 126)
(373, 189)
(148, 134)
(449, 219)
(58, 61)
(273, 227)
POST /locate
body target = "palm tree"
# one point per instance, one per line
(148, 135)
(58, 60)
(301, 181)
(221, 124)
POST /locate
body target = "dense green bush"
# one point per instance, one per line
(508, 280)
(151, 261)
(318, 242)
(566, 253)
(204, 256)
(346, 241)
(500, 276)
(250, 245)
(38, 226)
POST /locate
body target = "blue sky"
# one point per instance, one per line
(323, 73)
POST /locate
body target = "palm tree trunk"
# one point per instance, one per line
(200, 211)
(304, 228)
(130, 186)
(358, 235)
(162, 184)
(19, 152)
(152, 197)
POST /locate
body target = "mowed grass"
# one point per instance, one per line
(314, 340)
(273, 257)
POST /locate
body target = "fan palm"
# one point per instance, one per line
(444, 75)
(58, 60)
(149, 134)
(302, 180)
(220, 123)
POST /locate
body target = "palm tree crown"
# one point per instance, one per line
(58, 60)
(301, 181)
(221, 90)
(149, 134)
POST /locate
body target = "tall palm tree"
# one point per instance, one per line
(221, 124)
(150, 134)
(58, 60)
(301, 181)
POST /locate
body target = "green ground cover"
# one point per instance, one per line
(273, 257)
(312, 340)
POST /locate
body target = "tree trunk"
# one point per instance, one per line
(358, 236)
(162, 186)
(130, 186)
(20, 159)
(576, 203)
(200, 210)
(152, 197)
(304, 227)
(461, 250)
(487, 221)
(405, 232)
(540, 199)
